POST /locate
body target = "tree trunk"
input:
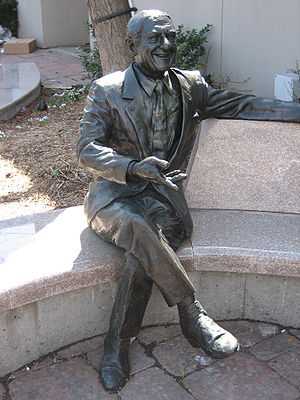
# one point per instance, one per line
(111, 34)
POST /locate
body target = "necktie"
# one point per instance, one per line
(159, 121)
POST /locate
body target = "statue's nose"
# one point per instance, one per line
(165, 42)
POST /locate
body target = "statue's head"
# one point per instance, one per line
(152, 39)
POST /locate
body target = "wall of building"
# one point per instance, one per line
(250, 39)
(30, 20)
(54, 22)
(65, 22)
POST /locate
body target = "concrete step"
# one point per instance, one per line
(19, 86)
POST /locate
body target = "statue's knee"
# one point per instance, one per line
(135, 268)
(140, 226)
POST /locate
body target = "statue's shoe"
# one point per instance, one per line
(201, 331)
(113, 378)
(114, 368)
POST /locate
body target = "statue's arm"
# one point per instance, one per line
(94, 153)
(231, 105)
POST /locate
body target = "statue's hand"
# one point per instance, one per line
(176, 176)
(150, 169)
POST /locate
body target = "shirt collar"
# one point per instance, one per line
(148, 84)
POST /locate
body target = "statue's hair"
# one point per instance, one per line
(136, 23)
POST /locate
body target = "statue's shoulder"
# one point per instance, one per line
(195, 84)
(191, 77)
(110, 81)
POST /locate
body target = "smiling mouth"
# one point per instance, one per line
(163, 56)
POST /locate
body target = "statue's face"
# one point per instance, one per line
(156, 49)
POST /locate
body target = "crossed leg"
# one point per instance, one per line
(149, 231)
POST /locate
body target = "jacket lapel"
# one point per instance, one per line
(135, 109)
(186, 99)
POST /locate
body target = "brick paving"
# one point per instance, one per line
(276, 346)
(165, 366)
(59, 67)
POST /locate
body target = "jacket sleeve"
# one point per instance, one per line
(231, 105)
(93, 151)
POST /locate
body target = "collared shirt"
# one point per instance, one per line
(160, 141)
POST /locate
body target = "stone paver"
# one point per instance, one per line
(250, 333)
(72, 380)
(273, 347)
(240, 377)
(45, 362)
(139, 361)
(177, 356)
(268, 330)
(269, 370)
(288, 366)
(59, 68)
(154, 384)
(94, 344)
(158, 334)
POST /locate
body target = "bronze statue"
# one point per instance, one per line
(137, 133)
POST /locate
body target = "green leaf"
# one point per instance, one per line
(191, 50)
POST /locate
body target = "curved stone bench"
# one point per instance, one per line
(57, 278)
(20, 85)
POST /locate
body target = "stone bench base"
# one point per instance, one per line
(20, 85)
(57, 278)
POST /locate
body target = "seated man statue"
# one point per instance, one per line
(137, 133)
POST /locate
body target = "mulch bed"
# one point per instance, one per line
(38, 155)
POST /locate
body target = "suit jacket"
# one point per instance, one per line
(113, 132)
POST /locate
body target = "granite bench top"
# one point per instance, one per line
(46, 254)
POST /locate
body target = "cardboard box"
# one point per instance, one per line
(20, 46)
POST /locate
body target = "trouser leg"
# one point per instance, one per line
(160, 263)
(124, 226)
(139, 298)
(132, 296)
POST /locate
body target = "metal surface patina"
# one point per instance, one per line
(136, 136)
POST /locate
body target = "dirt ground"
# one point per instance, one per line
(38, 163)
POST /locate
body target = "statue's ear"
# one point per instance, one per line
(131, 45)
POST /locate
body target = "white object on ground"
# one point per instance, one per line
(287, 86)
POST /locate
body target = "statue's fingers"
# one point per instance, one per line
(163, 180)
(162, 164)
(168, 182)
(159, 178)
(173, 173)
(179, 177)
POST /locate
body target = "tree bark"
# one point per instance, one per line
(111, 34)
